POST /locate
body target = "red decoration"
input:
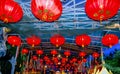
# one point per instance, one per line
(84, 60)
(53, 52)
(39, 52)
(57, 40)
(101, 9)
(67, 53)
(64, 60)
(46, 58)
(24, 51)
(33, 41)
(10, 11)
(110, 40)
(14, 40)
(34, 57)
(55, 60)
(74, 59)
(95, 55)
(83, 40)
(46, 10)
(82, 54)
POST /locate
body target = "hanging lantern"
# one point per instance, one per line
(34, 57)
(10, 11)
(83, 40)
(57, 40)
(82, 54)
(55, 60)
(24, 51)
(110, 40)
(63, 60)
(84, 60)
(39, 52)
(33, 41)
(101, 9)
(67, 53)
(74, 59)
(53, 52)
(14, 40)
(46, 58)
(95, 55)
(46, 10)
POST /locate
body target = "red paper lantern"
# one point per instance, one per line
(82, 54)
(67, 53)
(24, 51)
(95, 55)
(110, 40)
(39, 52)
(55, 59)
(64, 60)
(53, 52)
(57, 40)
(84, 60)
(14, 40)
(46, 10)
(33, 41)
(83, 40)
(101, 9)
(34, 57)
(10, 11)
(46, 58)
(74, 59)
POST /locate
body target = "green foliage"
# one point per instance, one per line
(11, 49)
(113, 62)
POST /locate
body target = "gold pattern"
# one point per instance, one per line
(44, 17)
(45, 10)
(108, 12)
(95, 15)
(39, 11)
(101, 11)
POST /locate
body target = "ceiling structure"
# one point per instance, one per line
(72, 22)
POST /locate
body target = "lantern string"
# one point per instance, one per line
(17, 52)
(100, 21)
(27, 61)
(102, 60)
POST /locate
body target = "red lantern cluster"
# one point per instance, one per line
(110, 40)
(95, 55)
(24, 51)
(83, 40)
(101, 9)
(82, 54)
(53, 52)
(10, 11)
(14, 40)
(39, 52)
(84, 60)
(57, 40)
(33, 41)
(46, 10)
(67, 53)
(74, 60)
(34, 57)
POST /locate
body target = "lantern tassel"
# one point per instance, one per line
(7, 30)
(5, 20)
(13, 45)
(110, 46)
(83, 46)
(100, 20)
(33, 45)
(56, 45)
